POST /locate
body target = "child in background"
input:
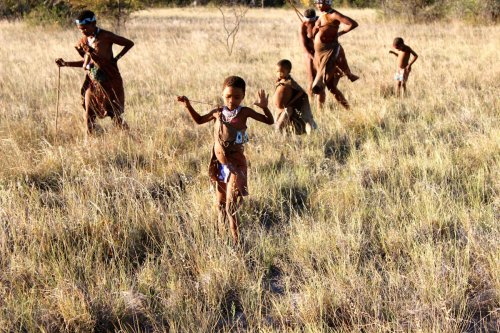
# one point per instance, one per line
(292, 102)
(228, 165)
(403, 52)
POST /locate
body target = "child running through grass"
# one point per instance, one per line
(228, 165)
(403, 52)
(292, 102)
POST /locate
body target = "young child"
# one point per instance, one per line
(292, 102)
(404, 64)
(102, 90)
(228, 165)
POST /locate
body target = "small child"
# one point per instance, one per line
(292, 102)
(228, 165)
(404, 64)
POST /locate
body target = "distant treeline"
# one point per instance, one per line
(62, 11)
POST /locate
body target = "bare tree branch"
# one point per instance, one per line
(232, 28)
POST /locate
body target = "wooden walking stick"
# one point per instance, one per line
(58, 93)
(299, 14)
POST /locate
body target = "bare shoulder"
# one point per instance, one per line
(407, 49)
(109, 35)
(247, 110)
(106, 35)
(335, 14)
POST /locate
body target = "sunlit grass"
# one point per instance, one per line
(385, 219)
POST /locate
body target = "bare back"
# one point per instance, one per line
(282, 96)
(404, 56)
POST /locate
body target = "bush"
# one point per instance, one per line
(476, 10)
(483, 11)
(416, 10)
(63, 12)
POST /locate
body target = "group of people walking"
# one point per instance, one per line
(103, 95)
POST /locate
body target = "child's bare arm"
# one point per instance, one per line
(267, 117)
(303, 41)
(392, 52)
(199, 119)
(415, 57)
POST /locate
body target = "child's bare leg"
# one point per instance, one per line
(308, 117)
(344, 66)
(232, 205)
(221, 207)
(405, 79)
(398, 88)
(282, 120)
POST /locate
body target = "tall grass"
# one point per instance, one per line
(385, 219)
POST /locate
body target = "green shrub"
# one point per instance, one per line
(483, 11)
(63, 11)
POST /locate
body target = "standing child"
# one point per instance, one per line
(404, 64)
(228, 165)
(292, 102)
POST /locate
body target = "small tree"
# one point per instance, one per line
(232, 17)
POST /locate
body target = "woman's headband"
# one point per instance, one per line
(86, 20)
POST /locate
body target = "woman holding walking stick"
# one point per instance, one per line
(102, 90)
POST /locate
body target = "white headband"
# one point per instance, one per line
(86, 20)
(310, 19)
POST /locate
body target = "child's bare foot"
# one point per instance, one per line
(311, 126)
(308, 129)
(353, 77)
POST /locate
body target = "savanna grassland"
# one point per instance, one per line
(386, 219)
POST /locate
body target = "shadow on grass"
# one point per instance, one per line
(294, 199)
(124, 161)
(50, 180)
(233, 318)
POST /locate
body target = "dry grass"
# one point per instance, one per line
(386, 219)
